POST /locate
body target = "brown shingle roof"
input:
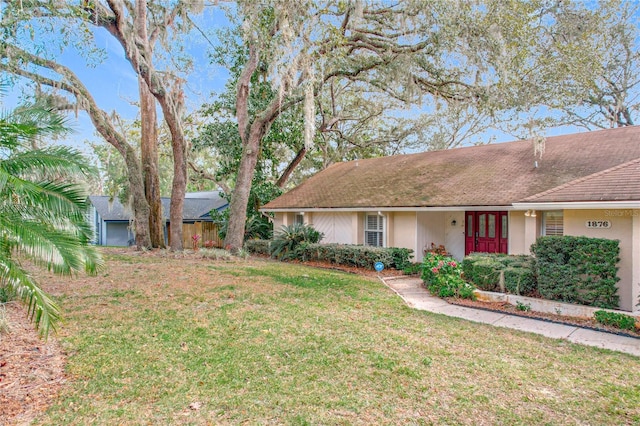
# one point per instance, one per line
(487, 175)
(620, 183)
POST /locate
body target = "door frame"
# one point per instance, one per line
(472, 223)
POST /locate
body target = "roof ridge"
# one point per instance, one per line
(582, 179)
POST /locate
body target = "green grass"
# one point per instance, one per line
(268, 343)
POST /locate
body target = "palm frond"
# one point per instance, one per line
(50, 162)
(43, 209)
(29, 122)
(62, 249)
(41, 309)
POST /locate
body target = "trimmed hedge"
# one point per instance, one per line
(519, 280)
(578, 270)
(354, 255)
(486, 274)
(349, 255)
(258, 247)
(484, 270)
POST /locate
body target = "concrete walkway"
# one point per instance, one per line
(416, 296)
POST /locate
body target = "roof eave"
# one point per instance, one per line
(385, 209)
(576, 205)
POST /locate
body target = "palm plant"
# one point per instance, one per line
(284, 244)
(42, 209)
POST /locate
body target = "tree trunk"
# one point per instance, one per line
(140, 55)
(251, 136)
(234, 240)
(178, 188)
(140, 205)
(149, 157)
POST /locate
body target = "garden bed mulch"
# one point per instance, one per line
(385, 273)
(510, 309)
(31, 370)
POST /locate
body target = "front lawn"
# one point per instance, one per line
(179, 340)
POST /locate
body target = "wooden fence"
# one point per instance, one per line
(206, 230)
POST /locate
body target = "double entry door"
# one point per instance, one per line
(486, 232)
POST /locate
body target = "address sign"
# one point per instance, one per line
(598, 224)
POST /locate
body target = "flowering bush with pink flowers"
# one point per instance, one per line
(442, 276)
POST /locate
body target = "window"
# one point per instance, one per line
(482, 225)
(298, 219)
(552, 223)
(492, 225)
(374, 230)
(505, 227)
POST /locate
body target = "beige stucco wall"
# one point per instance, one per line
(517, 233)
(454, 234)
(402, 230)
(278, 221)
(430, 229)
(357, 228)
(523, 231)
(622, 228)
(335, 226)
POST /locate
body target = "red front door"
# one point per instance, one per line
(486, 232)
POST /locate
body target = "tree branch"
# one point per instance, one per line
(242, 98)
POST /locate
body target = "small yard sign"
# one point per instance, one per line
(379, 266)
(598, 224)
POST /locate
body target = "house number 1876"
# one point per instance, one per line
(598, 224)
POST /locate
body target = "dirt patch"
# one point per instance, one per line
(31, 370)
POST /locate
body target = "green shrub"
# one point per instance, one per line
(519, 280)
(258, 246)
(400, 257)
(354, 255)
(516, 261)
(442, 275)
(468, 262)
(486, 274)
(285, 242)
(577, 270)
(413, 269)
(484, 270)
(615, 319)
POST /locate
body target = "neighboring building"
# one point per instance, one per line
(489, 198)
(112, 221)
